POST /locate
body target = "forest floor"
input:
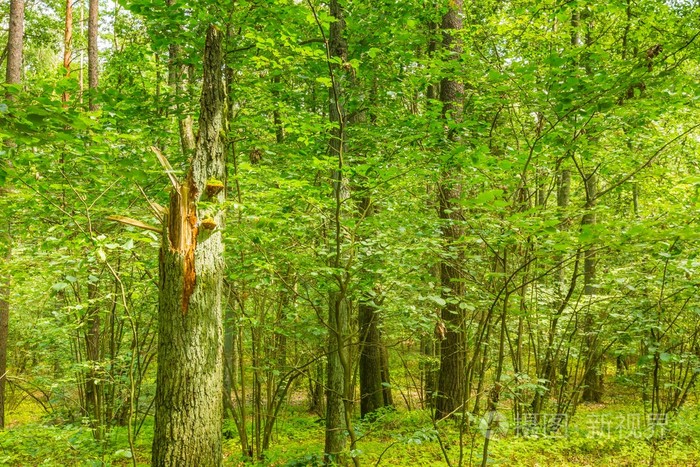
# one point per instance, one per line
(617, 433)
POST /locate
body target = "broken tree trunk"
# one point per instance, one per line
(189, 407)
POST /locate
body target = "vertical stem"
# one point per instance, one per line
(451, 379)
(67, 43)
(93, 64)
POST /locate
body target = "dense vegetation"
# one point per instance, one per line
(312, 233)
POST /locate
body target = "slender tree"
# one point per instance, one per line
(67, 42)
(375, 390)
(338, 309)
(93, 64)
(451, 379)
(13, 75)
(593, 378)
(188, 421)
(371, 389)
(15, 39)
(177, 74)
(93, 344)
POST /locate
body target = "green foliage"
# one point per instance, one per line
(65, 445)
(551, 88)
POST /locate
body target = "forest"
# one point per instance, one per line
(350, 232)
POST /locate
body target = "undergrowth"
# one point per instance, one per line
(599, 435)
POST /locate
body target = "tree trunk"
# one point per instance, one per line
(386, 379)
(338, 369)
(316, 401)
(336, 438)
(229, 358)
(430, 346)
(429, 370)
(371, 393)
(67, 43)
(451, 380)
(188, 403)
(13, 75)
(93, 64)
(547, 371)
(593, 378)
(177, 73)
(277, 114)
(15, 38)
(93, 387)
(4, 326)
(375, 390)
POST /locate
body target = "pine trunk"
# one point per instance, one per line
(13, 75)
(93, 65)
(15, 38)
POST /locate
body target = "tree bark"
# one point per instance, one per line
(277, 114)
(338, 369)
(429, 370)
(375, 390)
(451, 379)
(67, 43)
(189, 409)
(4, 327)
(386, 379)
(336, 439)
(371, 393)
(593, 378)
(15, 39)
(93, 64)
(13, 75)
(177, 73)
(93, 387)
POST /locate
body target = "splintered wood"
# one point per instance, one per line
(182, 234)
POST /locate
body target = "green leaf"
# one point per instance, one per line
(437, 299)
(324, 81)
(373, 52)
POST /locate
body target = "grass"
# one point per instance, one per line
(613, 434)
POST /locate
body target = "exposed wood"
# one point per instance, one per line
(189, 406)
(169, 171)
(134, 223)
